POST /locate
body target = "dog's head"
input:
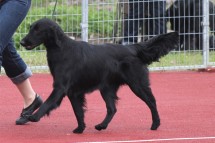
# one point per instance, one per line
(40, 31)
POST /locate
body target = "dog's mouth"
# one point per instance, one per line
(30, 47)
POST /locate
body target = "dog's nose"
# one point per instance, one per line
(23, 43)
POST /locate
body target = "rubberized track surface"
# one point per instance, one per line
(186, 102)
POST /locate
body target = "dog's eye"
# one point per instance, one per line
(36, 27)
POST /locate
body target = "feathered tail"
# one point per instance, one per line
(156, 47)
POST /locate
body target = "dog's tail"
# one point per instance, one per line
(156, 47)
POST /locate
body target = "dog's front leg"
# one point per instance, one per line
(51, 103)
(78, 104)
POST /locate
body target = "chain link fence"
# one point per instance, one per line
(108, 21)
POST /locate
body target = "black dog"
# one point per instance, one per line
(186, 17)
(79, 68)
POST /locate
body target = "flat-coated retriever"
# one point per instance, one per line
(78, 68)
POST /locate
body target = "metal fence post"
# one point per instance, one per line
(84, 23)
(206, 28)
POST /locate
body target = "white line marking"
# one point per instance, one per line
(155, 140)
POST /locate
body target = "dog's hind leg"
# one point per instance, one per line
(137, 78)
(110, 97)
(144, 93)
(78, 104)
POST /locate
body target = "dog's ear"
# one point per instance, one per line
(57, 35)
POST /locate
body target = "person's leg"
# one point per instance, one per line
(12, 12)
(131, 24)
(27, 92)
(18, 72)
(156, 22)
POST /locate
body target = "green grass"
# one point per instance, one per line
(34, 58)
(180, 59)
(69, 19)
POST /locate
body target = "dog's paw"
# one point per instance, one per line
(100, 127)
(78, 130)
(155, 125)
(33, 118)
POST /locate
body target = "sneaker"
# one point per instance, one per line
(29, 110)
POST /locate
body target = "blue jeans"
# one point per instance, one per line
(12, 13)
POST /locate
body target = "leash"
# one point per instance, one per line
(53, 12)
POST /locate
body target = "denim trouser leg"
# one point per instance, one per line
(153, 13)
(12, 13)
(134, 20)
(157, 21)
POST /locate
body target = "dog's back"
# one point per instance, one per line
(95, 65)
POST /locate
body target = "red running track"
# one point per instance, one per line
(186, 103)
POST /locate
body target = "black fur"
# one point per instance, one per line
(79, 68)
